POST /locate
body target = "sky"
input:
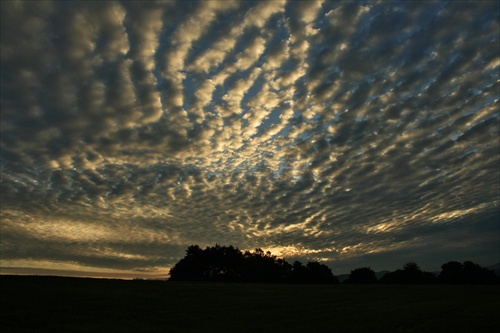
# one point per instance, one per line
(352, 133)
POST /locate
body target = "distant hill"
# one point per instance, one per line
(342, 277)
(380, 274)
(495, 268)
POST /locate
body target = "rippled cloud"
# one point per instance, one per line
(355, 133)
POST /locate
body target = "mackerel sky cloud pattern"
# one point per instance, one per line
(354, 133)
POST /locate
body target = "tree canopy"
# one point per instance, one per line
(454, 272)
(410, 274)
(362, 275)
(229, 264)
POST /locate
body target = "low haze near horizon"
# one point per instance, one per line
(353, 133)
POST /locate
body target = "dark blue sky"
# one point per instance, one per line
(353, 133)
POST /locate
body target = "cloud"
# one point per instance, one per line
(342, 132)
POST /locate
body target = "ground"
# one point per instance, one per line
(50, 304)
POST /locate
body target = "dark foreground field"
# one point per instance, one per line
(51, 304)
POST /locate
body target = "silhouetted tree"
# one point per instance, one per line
(410, 274)
(451, 272)
(299, 272)
(474, 273)
(319, 273)
(223, 263)
(218, 263)
(261, 266)
(363, 275)
(454, 272)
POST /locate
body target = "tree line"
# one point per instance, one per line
(452, 272)
(229, 264)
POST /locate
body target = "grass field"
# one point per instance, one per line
(52, 304)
